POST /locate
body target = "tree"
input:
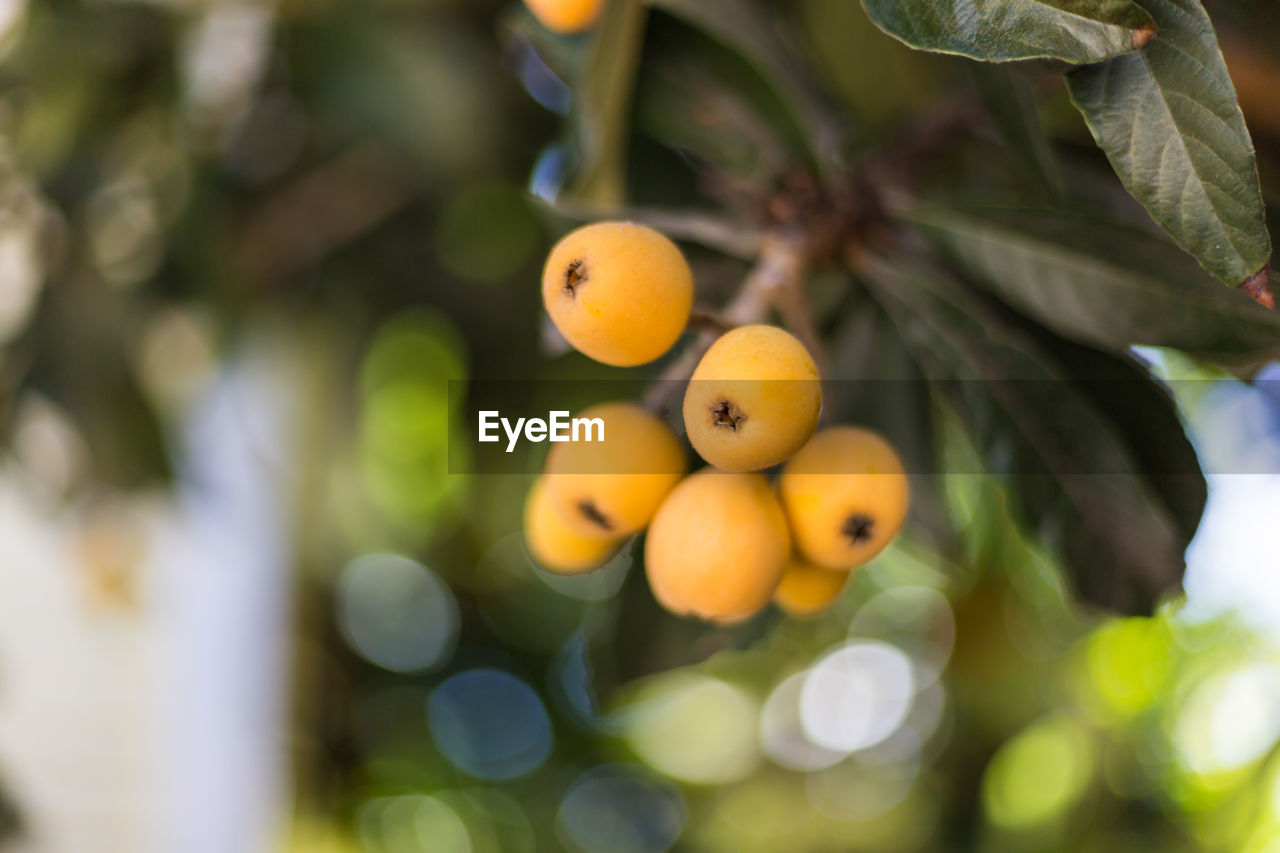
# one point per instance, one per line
(1000, 228)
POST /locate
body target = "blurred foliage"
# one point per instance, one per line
(178, 180)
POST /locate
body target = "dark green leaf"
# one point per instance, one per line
(1077, 481)
(1076, 31)
(1168, 120)
(689, 101)
(1101, 283)
(1146, 419)
(848, 49)
(1145, 416)
(1012, 105)
(742, 26)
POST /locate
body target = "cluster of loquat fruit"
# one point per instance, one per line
(724, 541)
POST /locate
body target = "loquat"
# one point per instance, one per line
(753, 399)
(717, 547)
(612, 488)
(846, 496)
(555, 545)
(566, 16)
(806, 589)
(620, 293)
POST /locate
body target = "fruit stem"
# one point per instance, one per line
(775, 281)
(1258, 286)
(709, 320)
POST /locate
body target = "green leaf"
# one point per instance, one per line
(847, 49)
(691, 99)
(1078, 482)
(1075, 31)
(1168, 120)
(603, 102)
(1012, 105)
(1144, 416)
(743, 26)
(1105, 284)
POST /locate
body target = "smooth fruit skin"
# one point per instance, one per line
(566, 16)
(612, 488)
(806, 589)
(619, 292)
(846, 496)
(555, 545)
(717, 547)
(753, 400)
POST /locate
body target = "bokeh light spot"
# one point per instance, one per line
(857, 695)
(1128, 662)
(124, 232)
(490, 724)
(1230, 720)
(618, 809)
(694, 728)
(21, 264)
(440, 830)
(418, 346)
(1039, 774)
(413, 362)
(550, 172)
(782, 735)
(496, 821)
(410, 824)
(855, 790)
(396, 613)
(916, 619)
(176, 356)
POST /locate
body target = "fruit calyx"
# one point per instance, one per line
(859, 528)
(727, 415)
(574, 276)
(593, 514)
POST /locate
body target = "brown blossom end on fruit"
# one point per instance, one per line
(593, 514)
(859, 528)
(726, 415)
(575, 275)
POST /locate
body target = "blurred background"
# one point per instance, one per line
(245, 606)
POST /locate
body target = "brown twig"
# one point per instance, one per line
(776, 281)
(737, 240)
(663, 390)
(783, 260)
(791, 301)
(709, 320)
